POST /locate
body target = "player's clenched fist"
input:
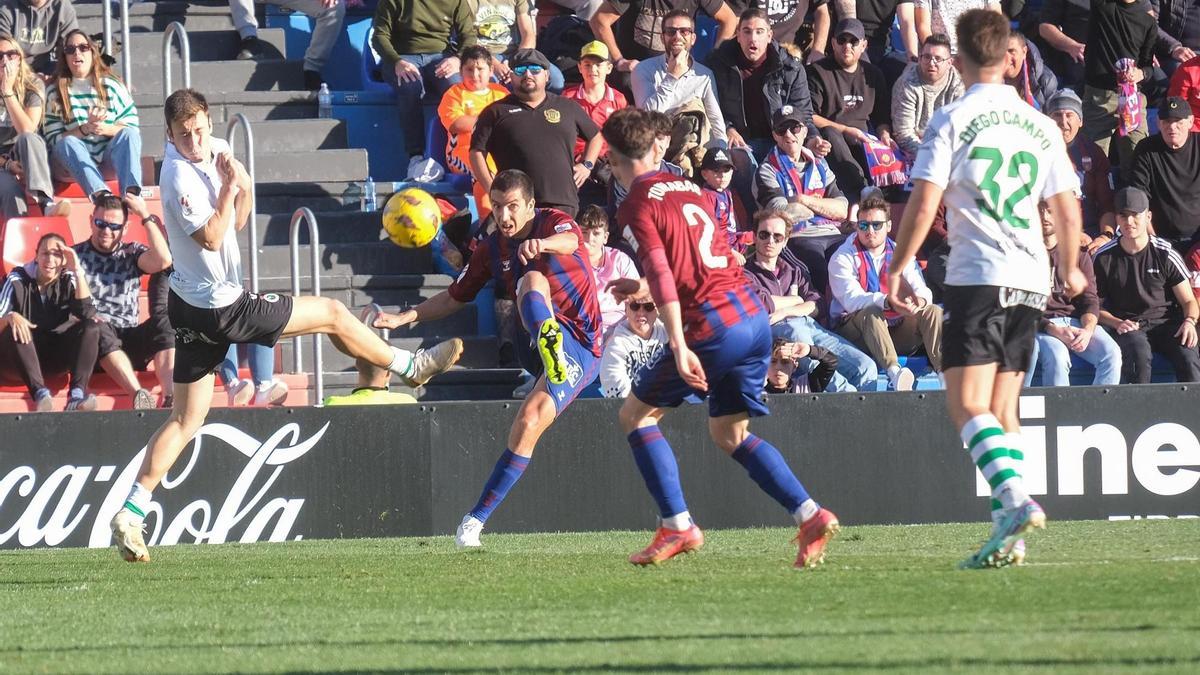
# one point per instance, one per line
(530, 249)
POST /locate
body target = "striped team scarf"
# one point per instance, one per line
(884, 163)
(872, 280)
(1129, 107)
(1026, 89)
(812, 179)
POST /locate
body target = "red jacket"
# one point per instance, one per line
(1186, 83)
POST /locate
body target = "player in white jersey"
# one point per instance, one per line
(991, 158)
(206, 197)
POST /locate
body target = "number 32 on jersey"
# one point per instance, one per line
(1022, 166)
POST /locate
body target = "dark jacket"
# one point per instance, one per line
(1043, 82)
(57, 307)
(785, 84)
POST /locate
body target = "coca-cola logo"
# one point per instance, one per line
(50, 509)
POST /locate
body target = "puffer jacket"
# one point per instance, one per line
(785, 84)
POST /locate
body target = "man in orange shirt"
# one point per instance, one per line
(598, 100)
(460, 107)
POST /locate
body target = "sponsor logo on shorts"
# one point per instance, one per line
(1013, 297)
(574, 371)
(187, 336)
(269, 297)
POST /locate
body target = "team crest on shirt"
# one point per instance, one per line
(562, 227)
(553, 116)
(505, 265)
(268, 297)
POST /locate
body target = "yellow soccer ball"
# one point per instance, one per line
(411, 218)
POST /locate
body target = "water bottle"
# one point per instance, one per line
(324, 102)
(367, 204)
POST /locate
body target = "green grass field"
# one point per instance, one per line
(1097, 597)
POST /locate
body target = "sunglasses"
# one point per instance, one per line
(678, 31)
(106, 225)
(763, 235)
(520, 71)
(647, 306)
(77, 49)
(847, 40)
(793, 129)
(864, 225)
(10, 55)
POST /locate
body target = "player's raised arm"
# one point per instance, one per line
(437, 307)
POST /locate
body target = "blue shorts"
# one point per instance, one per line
(582, 368)
(735, 364)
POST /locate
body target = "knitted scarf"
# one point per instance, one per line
(885, 165)
(812, 179)
(1129, 107)
(874, 281)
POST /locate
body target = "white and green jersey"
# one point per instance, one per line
(996, 157)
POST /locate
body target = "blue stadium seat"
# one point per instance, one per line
(435, 147)
(371, 63)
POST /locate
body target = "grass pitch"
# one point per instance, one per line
(1096, 597)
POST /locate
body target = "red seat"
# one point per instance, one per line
(21, 235)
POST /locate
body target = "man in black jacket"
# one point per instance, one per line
(47, 326)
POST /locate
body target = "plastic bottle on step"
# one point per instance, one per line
(324, 102)
(368, 196)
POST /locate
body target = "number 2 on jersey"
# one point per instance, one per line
(991, 188)
(694, 215)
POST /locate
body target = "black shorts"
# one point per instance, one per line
(203, 336)
(140, 343)
(990, 324)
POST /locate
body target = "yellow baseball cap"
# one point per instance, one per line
(596, 49)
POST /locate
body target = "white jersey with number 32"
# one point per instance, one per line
(996, 157)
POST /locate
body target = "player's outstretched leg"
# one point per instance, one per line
(536, 415)
(538, 318)
(655, 460)
(192, 401)
(767, 467)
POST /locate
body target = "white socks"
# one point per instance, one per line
(678, 522)
(402, 362)
(806, 510)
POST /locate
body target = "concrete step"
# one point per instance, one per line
(232, 76)
(156, 16)
(210, 45)
(348, 259)
(335, 227)
(478, 352)
(332, 196)
(255, 105)
(472, 384)
(270, 136)
(299, 168)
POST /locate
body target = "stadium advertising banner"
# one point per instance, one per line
(278, 475)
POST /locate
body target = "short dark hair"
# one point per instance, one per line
(475, 53)
(753, 13)
(982, 36)
(513, 179)
(771, 212)
(937, 40)
(662, 123)
(184, 104)
(592, 217)
(630, 132)
(873, 202)
(679, 14)
(47, 237)
(111, 202)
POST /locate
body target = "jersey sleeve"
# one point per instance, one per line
(936, 152)
(191, 206)
(474, 276)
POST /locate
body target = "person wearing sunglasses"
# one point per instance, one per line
(24, 160)
(925, 86)
(47, 324)
(40, 26)
(859, 307)
(637, 341)
(92, 122)
(850, 98)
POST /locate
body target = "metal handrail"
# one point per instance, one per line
(185, 55)
(305, 215)
(248, 135)
(126, 48)
(106, 22)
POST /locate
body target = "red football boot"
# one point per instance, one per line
(814, 534)
(667, 544)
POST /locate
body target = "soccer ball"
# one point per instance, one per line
(411, 218)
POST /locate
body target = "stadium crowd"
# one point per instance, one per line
(799, 120)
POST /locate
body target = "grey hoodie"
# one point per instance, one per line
(38, 30)
(913, 103)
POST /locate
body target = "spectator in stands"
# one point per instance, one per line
(638, 33)
(790, 361)
(92, 122)
(848, 94)
(535, 132)
(857, 276)
(1064, 27)
(663, 128)
(637, 342)
(327, 17)
(1185, 83)
(371, 388)
(792, 175)
(1146, 300)
(39, 26)
(599, 100)
(1178, 31)
(1091, 165)
(504, 26)
(23, 158)
(607, 264)
(1167, 167)
(1121, 41)
(46, 324)
(460, 108)
(1193, 264)
(878, 17)
(673, 81)
(941, 16)
(261, 388)
(1025, 72)
(786, 16)
(782, 282)
(1069, 325)
(414, 39)
(114, 270)
(716, 173)
(925, 86)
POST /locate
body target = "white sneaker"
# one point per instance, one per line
(270, 393)
(433, 361)
(903, 381)
(239, 393)
(467, 535)
(127, 532)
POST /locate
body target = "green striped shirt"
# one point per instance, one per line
(121, 110)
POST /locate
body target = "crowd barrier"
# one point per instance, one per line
(277, 475)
